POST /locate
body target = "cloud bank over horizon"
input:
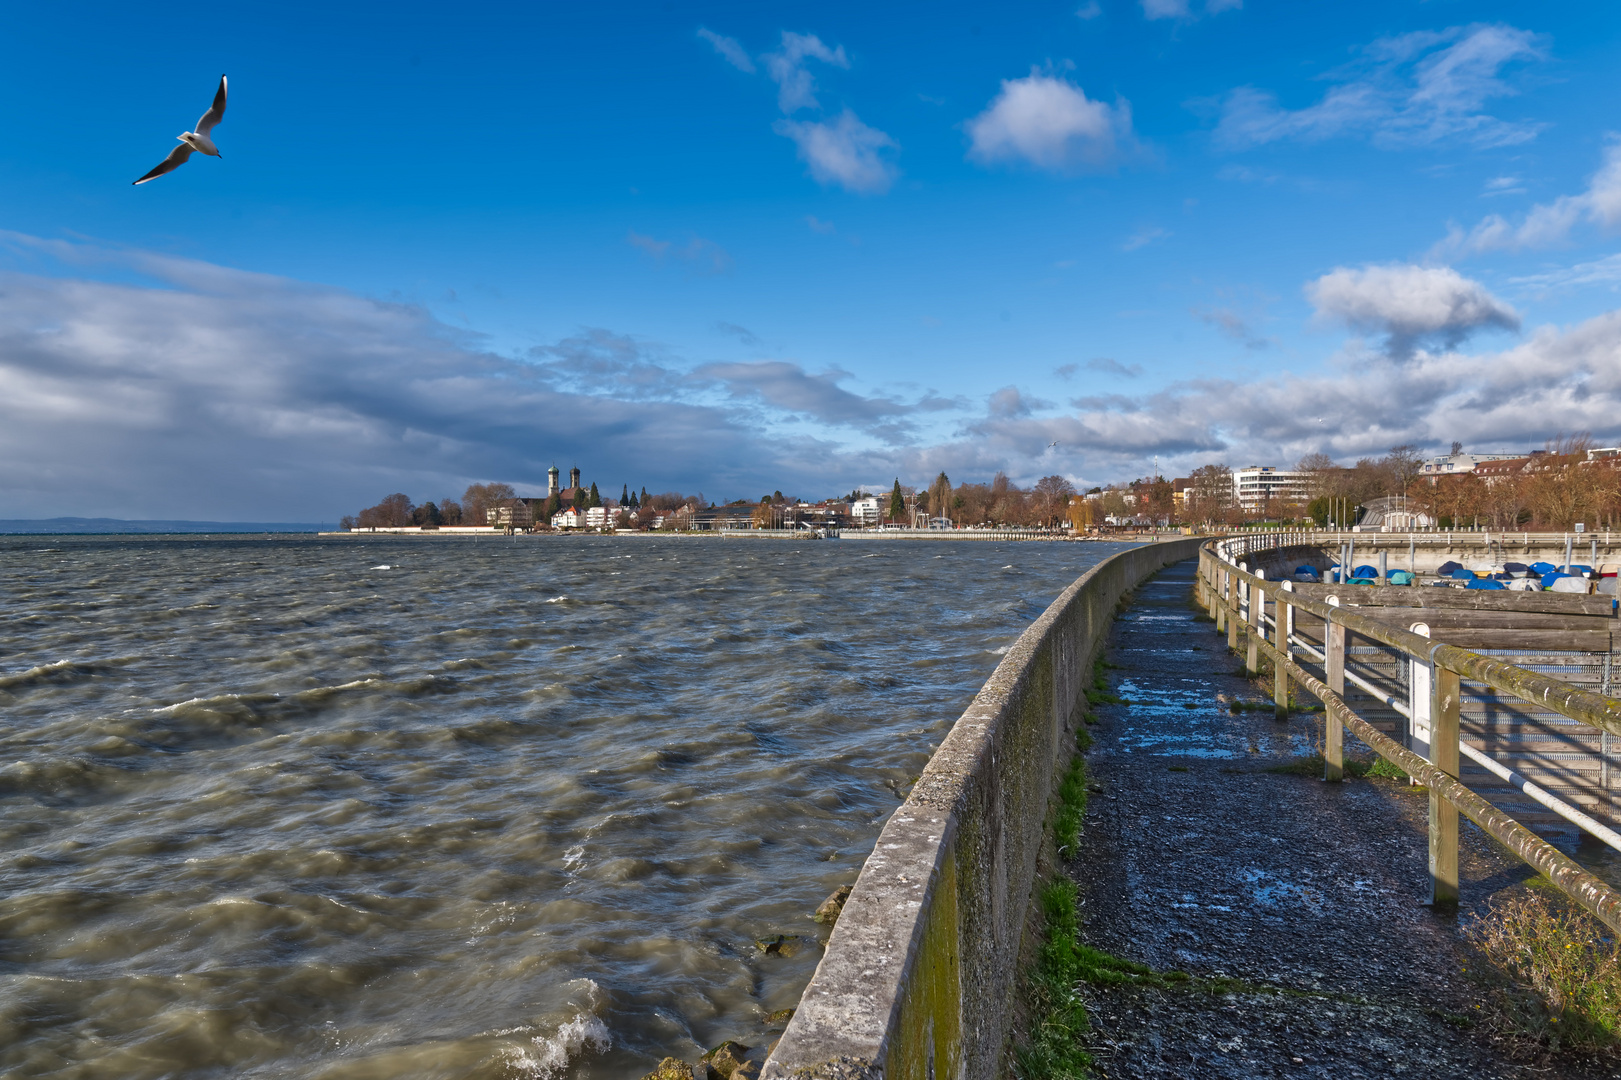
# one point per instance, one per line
(204, 392)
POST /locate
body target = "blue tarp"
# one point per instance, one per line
(1460, 574)
(1551, 577)
(1484, 583)
(1365, 571)
(1400, 577)
(1543, 568)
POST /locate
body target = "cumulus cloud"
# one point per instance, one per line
(195, 391)
(1548, 224)
(1414, 89)
(1050, 123)
(1515, 399)
(843, 151)
(729, 48)
(1409, 304)
(796, 87)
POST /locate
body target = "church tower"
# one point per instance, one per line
(574, 477)
(551, 481)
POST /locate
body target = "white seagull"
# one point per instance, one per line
(194, 140)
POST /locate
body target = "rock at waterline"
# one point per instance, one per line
(671, 1069)
(747, 1070)
(779, 1018)
(833, 906)
(779, 944)
(724, 1060)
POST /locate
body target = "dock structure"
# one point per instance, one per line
(1498, 704)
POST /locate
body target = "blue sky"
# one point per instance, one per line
(732, 248)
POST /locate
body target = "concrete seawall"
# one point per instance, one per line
(919, 976)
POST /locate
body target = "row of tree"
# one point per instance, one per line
(1559, 486)
(479, 500)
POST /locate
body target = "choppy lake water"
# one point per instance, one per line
(285, 807)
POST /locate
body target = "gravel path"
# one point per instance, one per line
(1308, 895)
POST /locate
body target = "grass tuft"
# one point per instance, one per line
(1567, 958)
(1071, 805)
(1054, 1050)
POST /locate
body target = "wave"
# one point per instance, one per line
(548, 1056)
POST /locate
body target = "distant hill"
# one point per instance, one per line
(70, 526)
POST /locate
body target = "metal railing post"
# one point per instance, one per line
(1282, 630)
(1444, 815)
(1420, 686)
(1334, 670)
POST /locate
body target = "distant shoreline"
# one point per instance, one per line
(76, 526)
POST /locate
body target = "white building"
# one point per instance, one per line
(867, 510)
(1458, 464)
(1259, 487)
(568, 519)
(597, 517)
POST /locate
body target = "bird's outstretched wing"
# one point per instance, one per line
(177, 157)
(216, 111)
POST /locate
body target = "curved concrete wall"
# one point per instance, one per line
(918, 979)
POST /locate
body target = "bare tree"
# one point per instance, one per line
(1051, 497)
(481, 497)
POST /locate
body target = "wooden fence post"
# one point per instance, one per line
(1233, 585)
(1334, 670)
(1443, 815)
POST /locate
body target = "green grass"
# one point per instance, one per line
(1054, 1049)
(1071, 806)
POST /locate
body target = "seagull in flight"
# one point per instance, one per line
(194, 140)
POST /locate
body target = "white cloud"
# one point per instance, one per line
(1409, 304)
(705, 256)
(1414, 89)
(729, 48)
(1050, 123)
(1089, 10)
(843, 151)
(1547, 224)
(796, 88)
(1143, 237)
(1516, 399)
(1182, 9)
(1605, 271)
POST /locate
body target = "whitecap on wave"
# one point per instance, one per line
(548, 1056)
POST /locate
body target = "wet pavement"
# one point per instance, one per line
(1306, 897)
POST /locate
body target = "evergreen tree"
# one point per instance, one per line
(644, 495)
(897, 502)
(624, 495)
(635, 503)
(579, 498)
(596, 500)
(554, 506)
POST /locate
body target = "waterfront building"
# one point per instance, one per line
(569, 519)
(867, 510)
(1258, 487)
(1460, 463)
(597, 516)
(510, 514)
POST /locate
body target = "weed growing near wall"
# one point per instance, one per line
(1567, 957)
(1059, 1021)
